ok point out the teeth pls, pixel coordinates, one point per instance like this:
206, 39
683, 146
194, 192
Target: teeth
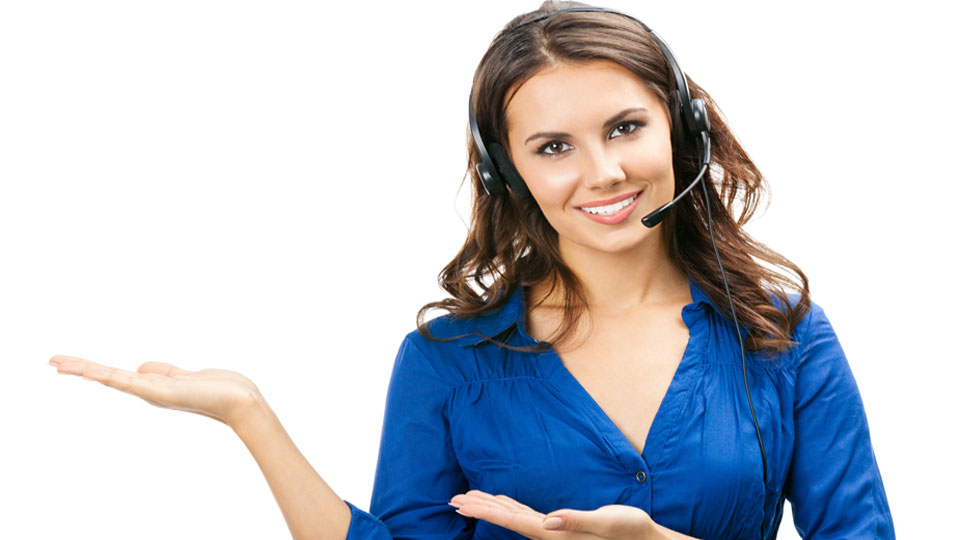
610, 209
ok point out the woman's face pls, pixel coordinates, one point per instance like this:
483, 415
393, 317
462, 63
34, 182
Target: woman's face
589, 138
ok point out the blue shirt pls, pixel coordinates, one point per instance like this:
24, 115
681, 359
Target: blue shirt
469, 414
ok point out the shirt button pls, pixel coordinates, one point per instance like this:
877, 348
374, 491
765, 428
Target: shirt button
641, 476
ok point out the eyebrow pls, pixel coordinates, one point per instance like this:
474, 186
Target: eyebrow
559, 134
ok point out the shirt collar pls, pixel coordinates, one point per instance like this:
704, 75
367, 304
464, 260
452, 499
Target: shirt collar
512, 313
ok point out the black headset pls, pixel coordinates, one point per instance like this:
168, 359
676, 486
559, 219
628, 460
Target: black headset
496, 172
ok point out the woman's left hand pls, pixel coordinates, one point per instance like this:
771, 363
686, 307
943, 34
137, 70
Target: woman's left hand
611, 522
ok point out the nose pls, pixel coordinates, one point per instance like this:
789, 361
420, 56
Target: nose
602, 169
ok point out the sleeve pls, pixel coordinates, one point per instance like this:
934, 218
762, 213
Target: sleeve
833, 483
417, 472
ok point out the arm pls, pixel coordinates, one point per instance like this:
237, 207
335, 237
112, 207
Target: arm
417, 472
310, 507
417, 469
834, 483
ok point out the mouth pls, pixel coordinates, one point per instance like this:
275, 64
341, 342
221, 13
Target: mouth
612, 213
611, 207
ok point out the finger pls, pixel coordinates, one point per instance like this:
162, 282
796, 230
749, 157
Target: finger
57, 359
477, 496
79, 366
147, 386
502, 499
525, 522
514, 504
74, 365
163, 368
506, 512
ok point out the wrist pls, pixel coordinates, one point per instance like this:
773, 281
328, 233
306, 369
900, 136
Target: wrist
251, 415
656, 531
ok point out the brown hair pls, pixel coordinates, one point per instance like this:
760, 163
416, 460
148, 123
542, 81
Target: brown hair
510, 243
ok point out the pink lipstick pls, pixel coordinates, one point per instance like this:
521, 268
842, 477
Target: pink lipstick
616, 217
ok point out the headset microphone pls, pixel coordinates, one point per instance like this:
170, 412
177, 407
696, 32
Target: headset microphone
655, 217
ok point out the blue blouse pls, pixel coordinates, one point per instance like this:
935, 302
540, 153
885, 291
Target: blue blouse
468, 414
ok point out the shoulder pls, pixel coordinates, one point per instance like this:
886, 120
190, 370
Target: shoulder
459, 331
818, 347
813, 321
805, 331
816, 362
808, 322
447, 353
455, 343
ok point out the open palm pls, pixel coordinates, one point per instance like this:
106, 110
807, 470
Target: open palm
610, 522
217, 393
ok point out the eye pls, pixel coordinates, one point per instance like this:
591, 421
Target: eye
626, 128
556, 148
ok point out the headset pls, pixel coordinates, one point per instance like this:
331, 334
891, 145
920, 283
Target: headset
497, 174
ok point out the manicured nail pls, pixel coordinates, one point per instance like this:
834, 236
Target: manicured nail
463, 513
552, 523
455, 505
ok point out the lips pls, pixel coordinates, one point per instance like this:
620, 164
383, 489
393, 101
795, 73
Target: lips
605, 202
620, 211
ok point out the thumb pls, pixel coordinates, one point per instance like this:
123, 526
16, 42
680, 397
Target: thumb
570, 520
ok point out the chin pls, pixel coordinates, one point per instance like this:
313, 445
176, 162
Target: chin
624, 244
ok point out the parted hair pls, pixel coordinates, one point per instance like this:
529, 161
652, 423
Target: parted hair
510, 244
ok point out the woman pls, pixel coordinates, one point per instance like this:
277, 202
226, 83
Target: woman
593, 366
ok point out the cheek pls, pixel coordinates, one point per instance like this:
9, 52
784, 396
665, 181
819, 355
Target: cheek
653, 162
552, 190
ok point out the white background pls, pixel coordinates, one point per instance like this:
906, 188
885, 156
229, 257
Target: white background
272, 187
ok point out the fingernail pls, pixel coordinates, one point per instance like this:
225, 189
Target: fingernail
455, 505
552, 523
463, 513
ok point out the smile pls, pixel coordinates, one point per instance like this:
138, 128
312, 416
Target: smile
613, 213
610, 209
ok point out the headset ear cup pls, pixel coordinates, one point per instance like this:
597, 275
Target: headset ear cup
490, 181
507, 171
698, 112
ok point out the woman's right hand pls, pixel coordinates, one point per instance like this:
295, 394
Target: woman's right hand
220, 394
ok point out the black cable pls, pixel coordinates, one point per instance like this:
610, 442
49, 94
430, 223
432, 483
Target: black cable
743, 356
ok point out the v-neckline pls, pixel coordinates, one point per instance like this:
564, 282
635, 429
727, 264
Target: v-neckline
671, 405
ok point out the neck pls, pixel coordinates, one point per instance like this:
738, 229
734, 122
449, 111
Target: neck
620, 283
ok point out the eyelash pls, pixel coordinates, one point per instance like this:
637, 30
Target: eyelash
635, 123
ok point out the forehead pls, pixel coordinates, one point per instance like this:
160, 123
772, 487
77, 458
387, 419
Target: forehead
578, 92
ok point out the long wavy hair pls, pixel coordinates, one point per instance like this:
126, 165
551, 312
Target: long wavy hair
510, 244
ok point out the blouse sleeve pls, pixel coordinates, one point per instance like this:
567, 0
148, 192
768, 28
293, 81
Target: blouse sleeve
833, 484
417, 472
